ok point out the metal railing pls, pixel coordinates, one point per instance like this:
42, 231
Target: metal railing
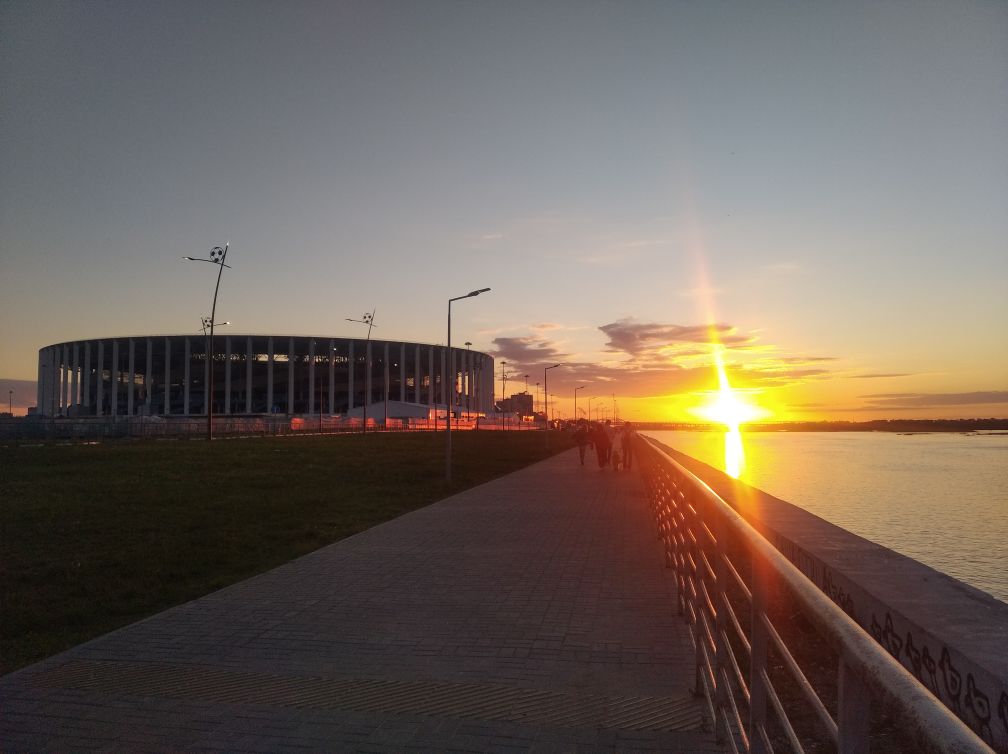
731, 583
96, 429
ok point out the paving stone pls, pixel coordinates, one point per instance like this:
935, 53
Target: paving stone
550, 579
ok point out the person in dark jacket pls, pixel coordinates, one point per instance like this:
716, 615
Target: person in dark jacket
581, 438
600, 439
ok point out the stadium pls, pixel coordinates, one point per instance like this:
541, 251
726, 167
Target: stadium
168, 376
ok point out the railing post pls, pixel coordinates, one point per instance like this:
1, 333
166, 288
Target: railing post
678, 540
720, 626
758, 659
853, 712
692, 614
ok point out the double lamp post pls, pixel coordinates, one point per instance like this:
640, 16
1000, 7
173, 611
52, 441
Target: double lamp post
217, 257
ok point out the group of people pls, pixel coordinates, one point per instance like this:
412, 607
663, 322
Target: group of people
613, 447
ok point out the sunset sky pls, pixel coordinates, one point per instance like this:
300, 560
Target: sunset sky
821, 185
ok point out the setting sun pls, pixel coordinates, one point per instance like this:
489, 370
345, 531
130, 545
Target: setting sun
728, 408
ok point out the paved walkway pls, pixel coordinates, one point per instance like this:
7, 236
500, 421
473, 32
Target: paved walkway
532, 613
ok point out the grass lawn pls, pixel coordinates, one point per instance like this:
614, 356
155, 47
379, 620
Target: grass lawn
93, 537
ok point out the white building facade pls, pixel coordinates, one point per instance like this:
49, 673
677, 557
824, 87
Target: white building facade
168, 375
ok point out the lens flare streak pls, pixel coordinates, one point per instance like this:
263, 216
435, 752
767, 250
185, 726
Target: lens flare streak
727, 408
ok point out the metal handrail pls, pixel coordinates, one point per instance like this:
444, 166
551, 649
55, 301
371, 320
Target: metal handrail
687, 510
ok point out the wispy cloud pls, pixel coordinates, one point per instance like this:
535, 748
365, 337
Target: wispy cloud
924, 400
878, 375
647, 359
806, 359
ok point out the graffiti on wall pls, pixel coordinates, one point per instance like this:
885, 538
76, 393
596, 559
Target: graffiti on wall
959, 688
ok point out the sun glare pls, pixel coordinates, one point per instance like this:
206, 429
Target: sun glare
727, 407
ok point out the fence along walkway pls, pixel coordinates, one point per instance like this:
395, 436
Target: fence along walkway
727, 573
530, 613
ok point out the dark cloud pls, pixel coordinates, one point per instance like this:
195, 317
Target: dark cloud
635, 338
526, 351
923, 400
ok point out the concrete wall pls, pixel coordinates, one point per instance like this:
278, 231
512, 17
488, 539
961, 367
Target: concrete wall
951, 636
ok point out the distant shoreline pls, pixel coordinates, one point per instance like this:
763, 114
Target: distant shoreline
904, 426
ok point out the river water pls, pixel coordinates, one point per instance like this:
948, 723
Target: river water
940, 498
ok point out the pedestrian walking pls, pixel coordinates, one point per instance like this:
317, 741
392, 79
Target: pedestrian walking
582, 439
610, 433
628, 439
600, 440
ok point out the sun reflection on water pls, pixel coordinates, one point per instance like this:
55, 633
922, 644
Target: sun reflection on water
727, 407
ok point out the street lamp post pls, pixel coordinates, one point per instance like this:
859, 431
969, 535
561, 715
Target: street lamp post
366, 319
217, 257
546, 394
208, 325
580, 387
448, 450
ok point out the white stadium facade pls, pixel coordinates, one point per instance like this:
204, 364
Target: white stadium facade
167, 376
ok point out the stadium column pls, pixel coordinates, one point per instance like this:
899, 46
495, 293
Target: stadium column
227, 374
74, 379
185, 380
206, 374
269, 375
248, 375
54, 383
351, 367
402, 372
417, 380
290, 377
114, 387
86, 377
444, 377
64, 373
148, 381
311, 378
100, 379
430, 379
332, 376
385, 392
130, 382
368, 384
167, 378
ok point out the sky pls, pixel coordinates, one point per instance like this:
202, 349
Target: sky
820, 188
